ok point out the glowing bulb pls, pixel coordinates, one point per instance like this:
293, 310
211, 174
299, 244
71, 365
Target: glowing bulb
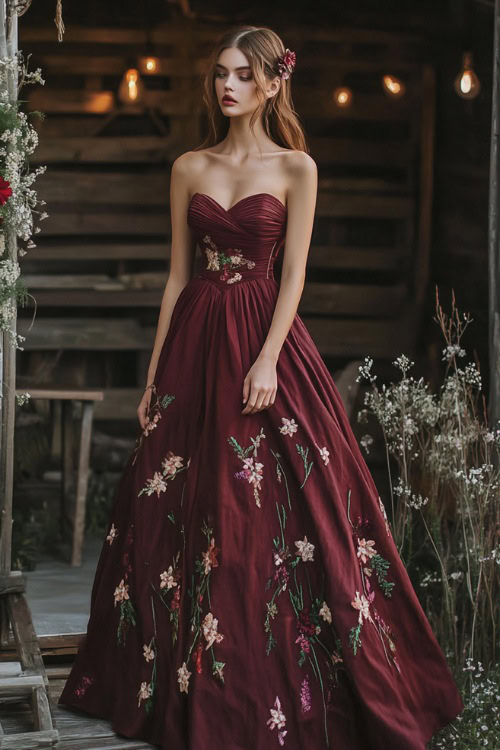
342, 96
131, 88
467, 83
393, 86
151, 64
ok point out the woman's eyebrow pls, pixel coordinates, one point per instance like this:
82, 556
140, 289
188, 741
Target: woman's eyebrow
240, 67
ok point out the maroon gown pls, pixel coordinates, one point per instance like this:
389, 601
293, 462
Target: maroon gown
249, 594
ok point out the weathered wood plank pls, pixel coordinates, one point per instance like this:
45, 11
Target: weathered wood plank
29, 740
85, 222
352, 299
49, 334
98, 251
124, 149
65, 394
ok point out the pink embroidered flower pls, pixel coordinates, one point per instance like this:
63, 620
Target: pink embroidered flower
209, 558
176, 599
277, 720
305, 695
145, 692
113, 533
171, 463
366, 549
363, 605
209, 626
167, 579
286, 63
121, 592
149, 654
304, 643
304, 623
305, 549
289, 426
283, 574
83, 685
156, 484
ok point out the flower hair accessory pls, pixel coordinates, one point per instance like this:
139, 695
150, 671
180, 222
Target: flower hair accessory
286, 63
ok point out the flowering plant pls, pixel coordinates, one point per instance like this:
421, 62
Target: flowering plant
445, 495
18, 199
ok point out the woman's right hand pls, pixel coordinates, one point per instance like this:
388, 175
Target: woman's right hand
143, 408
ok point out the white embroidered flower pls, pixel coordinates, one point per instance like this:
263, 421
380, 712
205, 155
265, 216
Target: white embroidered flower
383, 511
325, 612
167, 579
145, 691
253, 471
156, 484
277, 719
213, 260
121, 592
209, 626
305, 549
366, 549
324, 453
235, 277
209, 557
183, 678
277, 559
361, 603
149, 654
172, 462
289, 426
113, 533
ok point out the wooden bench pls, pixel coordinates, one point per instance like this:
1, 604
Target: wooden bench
61, 413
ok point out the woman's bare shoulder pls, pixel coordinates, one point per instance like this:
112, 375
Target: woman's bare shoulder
188, 164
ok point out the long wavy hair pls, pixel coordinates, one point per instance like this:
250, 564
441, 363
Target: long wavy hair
262, 47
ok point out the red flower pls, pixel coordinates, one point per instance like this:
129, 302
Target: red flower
5, 191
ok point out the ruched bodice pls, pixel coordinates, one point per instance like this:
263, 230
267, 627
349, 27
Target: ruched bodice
242, 242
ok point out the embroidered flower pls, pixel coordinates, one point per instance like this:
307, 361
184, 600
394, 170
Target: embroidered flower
305, 695
84, 683
305, 549
183, 678
362, 603
121, 592
209, 557
167, 578
171, 463
217, 260
277, 720
149, 654
156, 484
289, 426
383, 511
324, 453
366, 549
286, 63
145, 692
209, 626
113, 533
325, 612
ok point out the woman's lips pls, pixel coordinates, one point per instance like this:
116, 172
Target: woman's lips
228, 100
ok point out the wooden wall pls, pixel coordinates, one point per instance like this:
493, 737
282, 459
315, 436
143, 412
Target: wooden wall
102, 258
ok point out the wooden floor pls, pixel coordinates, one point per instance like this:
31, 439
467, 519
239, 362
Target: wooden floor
77, 731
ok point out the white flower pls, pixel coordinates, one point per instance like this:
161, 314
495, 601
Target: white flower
361, 603
171, 463
156, 484
149, 654
325, 612
167, 579
366, 549
278, 718
145, 691
113, 533
183, 678
209, 626
289, 426
305, 549
121, 592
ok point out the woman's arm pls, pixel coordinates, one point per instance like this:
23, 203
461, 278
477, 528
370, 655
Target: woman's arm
182, 255
260, 384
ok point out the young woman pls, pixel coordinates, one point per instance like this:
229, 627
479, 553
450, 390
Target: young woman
249, 593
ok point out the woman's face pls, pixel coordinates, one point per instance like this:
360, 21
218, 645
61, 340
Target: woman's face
234, 81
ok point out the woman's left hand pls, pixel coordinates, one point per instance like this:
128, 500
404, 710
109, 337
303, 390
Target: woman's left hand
260, 385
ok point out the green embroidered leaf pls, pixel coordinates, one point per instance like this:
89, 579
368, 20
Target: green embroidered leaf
355, 638
171, 517
271, 643
381, 566
166, 400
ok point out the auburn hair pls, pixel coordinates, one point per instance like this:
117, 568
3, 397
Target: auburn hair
262, 47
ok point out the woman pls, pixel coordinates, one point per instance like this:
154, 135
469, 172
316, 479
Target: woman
249, 592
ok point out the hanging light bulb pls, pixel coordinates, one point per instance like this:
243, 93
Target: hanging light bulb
467, 83
149, 64
342, 96
131, 89
393, 86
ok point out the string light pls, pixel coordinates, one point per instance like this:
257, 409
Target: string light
342, 96
393, 86
467, 83
131, 89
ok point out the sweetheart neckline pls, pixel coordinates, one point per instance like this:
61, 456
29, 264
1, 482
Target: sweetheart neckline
247, 197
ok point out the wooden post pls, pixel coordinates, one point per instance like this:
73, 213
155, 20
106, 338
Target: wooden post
8, 48
494, 236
